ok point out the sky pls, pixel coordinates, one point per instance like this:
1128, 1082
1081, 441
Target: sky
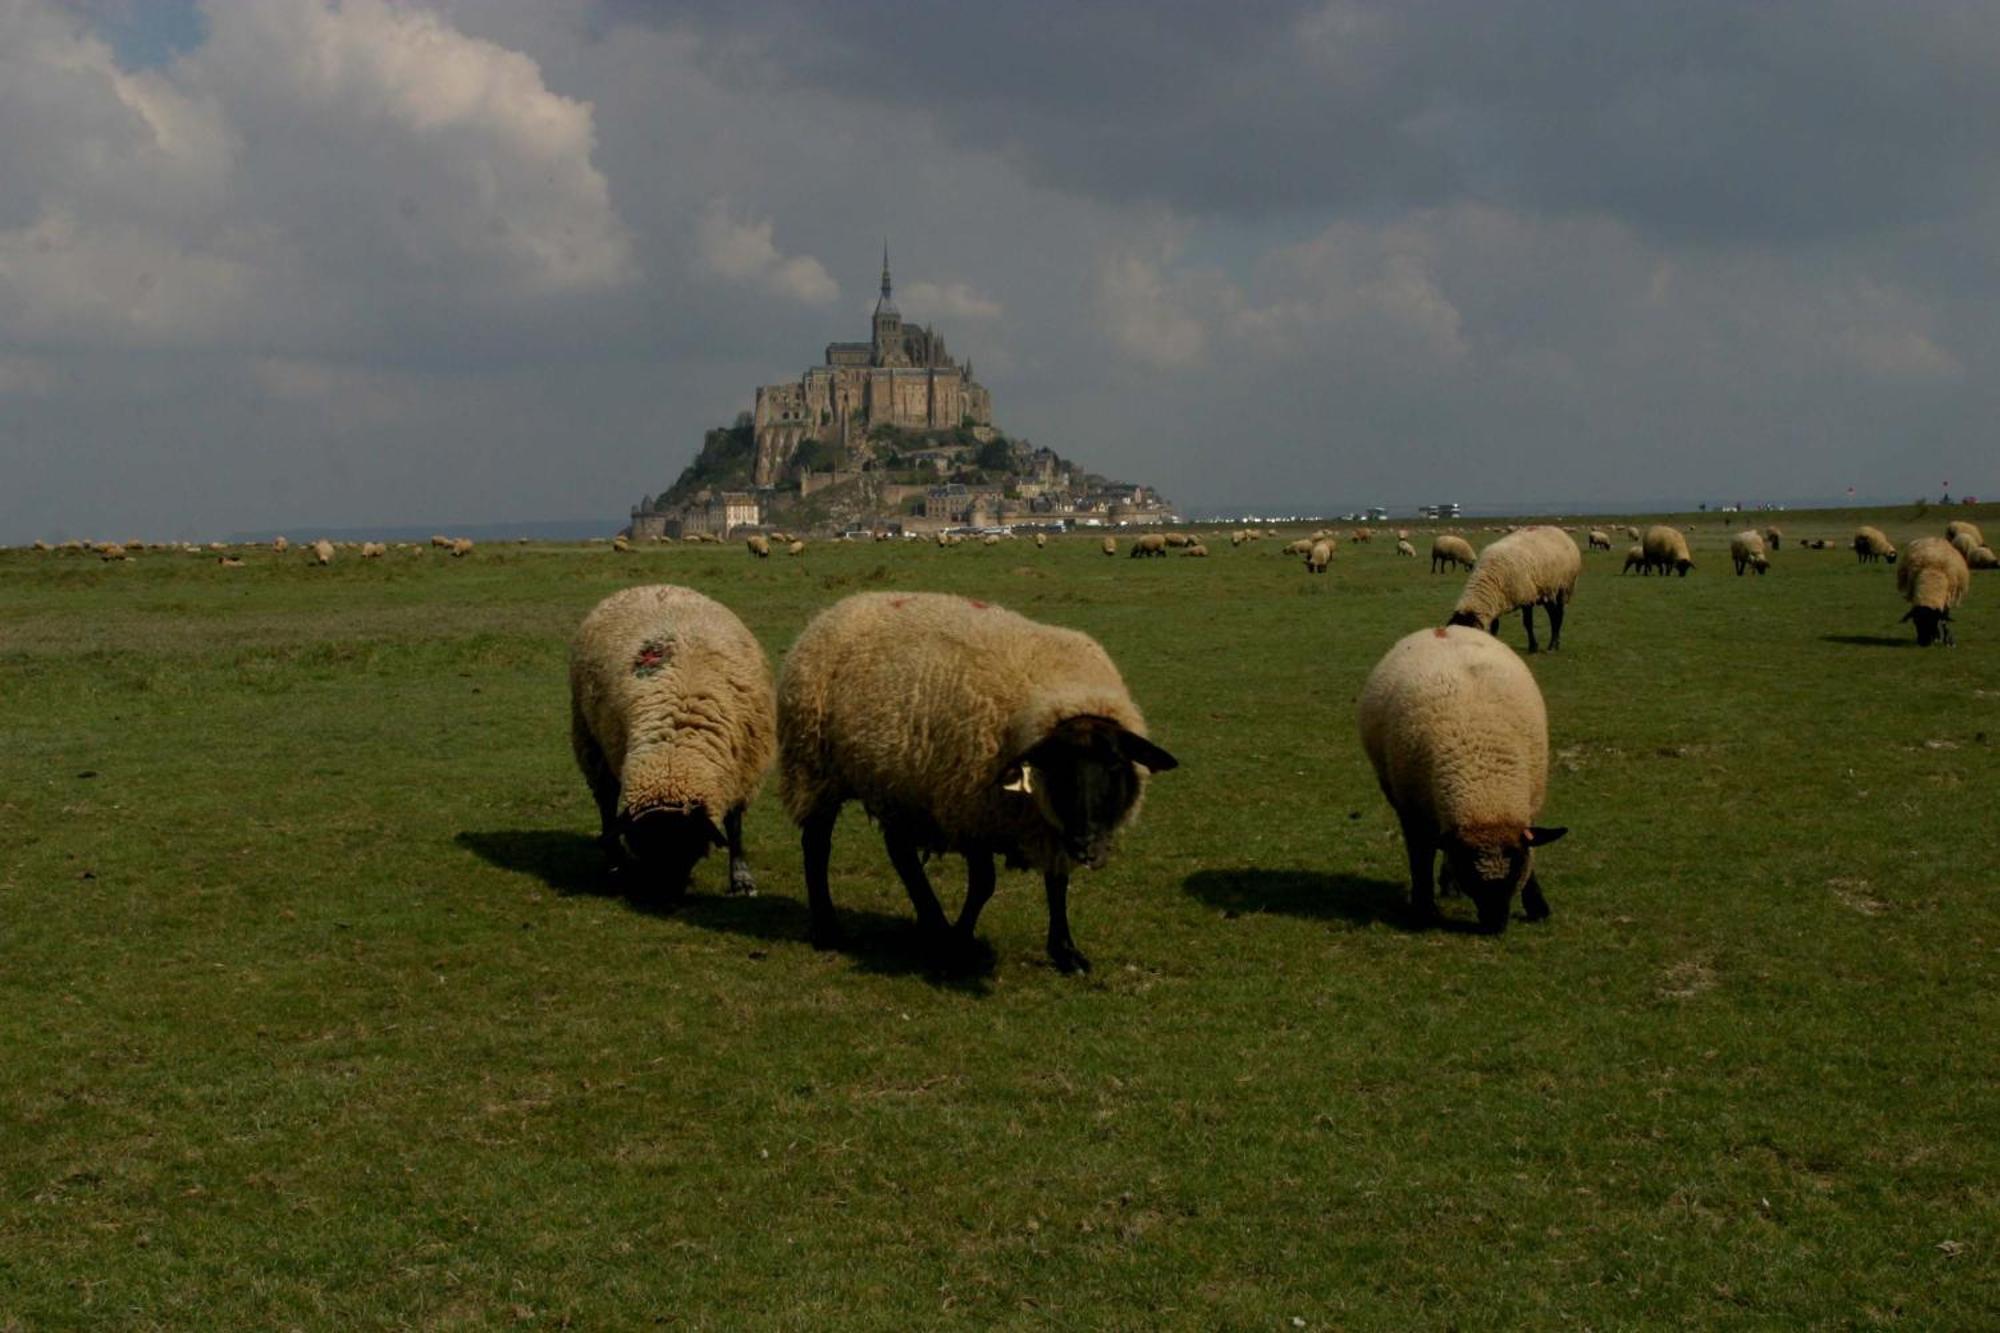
278, 264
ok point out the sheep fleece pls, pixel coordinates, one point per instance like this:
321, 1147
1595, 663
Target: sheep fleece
664, 675
1524, 568
915, 703
1933, 574
1455, 726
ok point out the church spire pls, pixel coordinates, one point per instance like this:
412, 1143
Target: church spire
885, 268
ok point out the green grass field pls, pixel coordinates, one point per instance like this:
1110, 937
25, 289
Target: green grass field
313, 1010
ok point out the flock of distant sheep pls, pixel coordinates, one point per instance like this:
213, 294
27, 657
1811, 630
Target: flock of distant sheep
963, 727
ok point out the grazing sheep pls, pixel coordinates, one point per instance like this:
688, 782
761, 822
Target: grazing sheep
992, 539
1109, 546
674, 723
1632, 533
758, 545
229, 562
112, 551
280, 545
1982, 557
797, 547
1041, 540
1964, 527
1404, 549
1449, 549
1195, 549
1238, 537
1774, 537
1667, 549
1746, 548
1526, 569
1871, 545
441, 542
41, 545
373, 550
461, 547
1600, 540
1152, 544
1319, 557
960, 727
1177, 539
1303, 546
322, 552
1933, 578
1966, 544
1455, 727
620, 544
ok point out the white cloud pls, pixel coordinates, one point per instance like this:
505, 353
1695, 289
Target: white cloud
1150, 313
744, 252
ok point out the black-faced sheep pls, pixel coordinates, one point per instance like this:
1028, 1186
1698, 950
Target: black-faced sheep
758, 545
1933, 578
1523, 570
1455, 727
1109, 546
1667, 549
1404, 549
1635, 558
1600, 540
1982, 557
1746, 549
674, 724
1449, 549
960, 727
1319, 556
1152, 544
1774, 537
1870, 545
1963, 527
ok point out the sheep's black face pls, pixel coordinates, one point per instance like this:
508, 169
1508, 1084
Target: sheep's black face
1084, 780
1471, 619
1929, 623
1490, 870
668, 844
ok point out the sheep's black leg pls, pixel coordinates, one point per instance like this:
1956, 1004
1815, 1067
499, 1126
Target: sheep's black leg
816, 834
1556, 610
1062, 949
1533, 905
740, 879
1423, 869
909, 865
979, 880
1527, 623
603, 784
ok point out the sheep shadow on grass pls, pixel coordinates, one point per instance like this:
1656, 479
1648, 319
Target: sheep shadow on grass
572, 865
1870, 640
1313, 894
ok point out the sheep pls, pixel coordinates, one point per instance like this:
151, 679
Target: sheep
112, 551
1966, 544
620, 544
1967, 527
797, 547
1109, 546
1600, 540
1632, 533
1404, 549
1525, 569
960, 727
280, 545
1449, 549
1318, 558
1871, 545
1667, 549
1177, 539
1303, 546
1238, 537
1774, 537
322, 552
673, 721
1152, 544
1041, 540
1746, 548
1455, 727
758, 545
1198, 550
229, 562
991, 539
1982, 557
41, 545
443, 543
1933, 578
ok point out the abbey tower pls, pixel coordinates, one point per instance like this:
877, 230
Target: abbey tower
902, 377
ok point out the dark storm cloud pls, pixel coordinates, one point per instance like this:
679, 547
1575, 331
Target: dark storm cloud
1713, 119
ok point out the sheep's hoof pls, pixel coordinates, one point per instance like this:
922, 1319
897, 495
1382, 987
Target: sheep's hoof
1068, 959
743, 884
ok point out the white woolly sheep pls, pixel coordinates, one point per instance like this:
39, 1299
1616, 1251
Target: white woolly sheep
1176, 539
1632, 533
112, 551
991, 539
322, 552
1523, 570
1152, 544
1667, 549
960, 727
1041, 540
1449, 549
1982, 557
1600, 540
673, 721
1109, 546
461, 547
1870, 545
1455, 727
280, 545
1199, 550
797, 547
1965, 527
758, 545
1933, 578
1966, 544
1303, 546
1319, 557
1404, 549
621, 544
1746, 549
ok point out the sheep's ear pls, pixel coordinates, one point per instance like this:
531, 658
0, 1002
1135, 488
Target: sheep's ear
1542, 837
1136, 749
1019, 779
